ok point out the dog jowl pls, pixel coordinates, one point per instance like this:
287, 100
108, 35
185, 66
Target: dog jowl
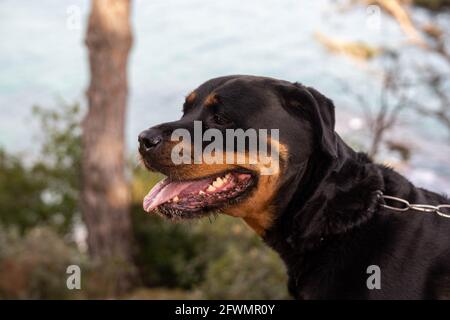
219, 156
234, 147
265, 150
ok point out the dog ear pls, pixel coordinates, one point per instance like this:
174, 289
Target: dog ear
321, 110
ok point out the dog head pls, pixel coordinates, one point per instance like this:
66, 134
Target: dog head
206, 172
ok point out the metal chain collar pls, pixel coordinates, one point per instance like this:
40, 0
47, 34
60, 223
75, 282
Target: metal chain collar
405, 206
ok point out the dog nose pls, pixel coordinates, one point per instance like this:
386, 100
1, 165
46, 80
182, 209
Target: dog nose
149, 139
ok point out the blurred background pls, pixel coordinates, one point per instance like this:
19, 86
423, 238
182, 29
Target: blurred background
78, 75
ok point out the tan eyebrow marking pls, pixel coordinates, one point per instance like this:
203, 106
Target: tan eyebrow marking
211, 99
191, 97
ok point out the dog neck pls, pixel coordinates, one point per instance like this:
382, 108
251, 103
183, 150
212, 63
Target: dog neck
332, 197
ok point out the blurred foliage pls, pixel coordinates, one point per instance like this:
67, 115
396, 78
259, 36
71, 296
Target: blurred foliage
21, 201
45, 192
245, 268
167, 253
161, 294
254, 272
60, 163
33, 266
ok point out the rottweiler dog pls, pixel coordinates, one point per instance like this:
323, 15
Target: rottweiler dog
323, 210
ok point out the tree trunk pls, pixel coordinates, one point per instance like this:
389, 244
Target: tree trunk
105, 192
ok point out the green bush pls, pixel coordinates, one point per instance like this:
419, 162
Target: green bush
34, 266
45, 192
21, 195
166, 251
246, 267
253, 274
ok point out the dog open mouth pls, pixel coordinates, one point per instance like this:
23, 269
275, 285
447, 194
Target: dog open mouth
192, 198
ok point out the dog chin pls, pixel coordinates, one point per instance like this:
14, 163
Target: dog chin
187, 199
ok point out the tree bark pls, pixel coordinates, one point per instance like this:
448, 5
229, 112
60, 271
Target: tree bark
105, 191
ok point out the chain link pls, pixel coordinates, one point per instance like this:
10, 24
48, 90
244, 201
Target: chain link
405, 206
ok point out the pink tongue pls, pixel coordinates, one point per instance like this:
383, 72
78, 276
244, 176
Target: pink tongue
164, 191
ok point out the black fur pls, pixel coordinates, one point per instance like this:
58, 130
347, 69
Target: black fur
332, 228
329, 225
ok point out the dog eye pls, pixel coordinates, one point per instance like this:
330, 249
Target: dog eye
221, 119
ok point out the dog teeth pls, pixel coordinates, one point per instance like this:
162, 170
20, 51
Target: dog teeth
218, 182
175, 199
201, 192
